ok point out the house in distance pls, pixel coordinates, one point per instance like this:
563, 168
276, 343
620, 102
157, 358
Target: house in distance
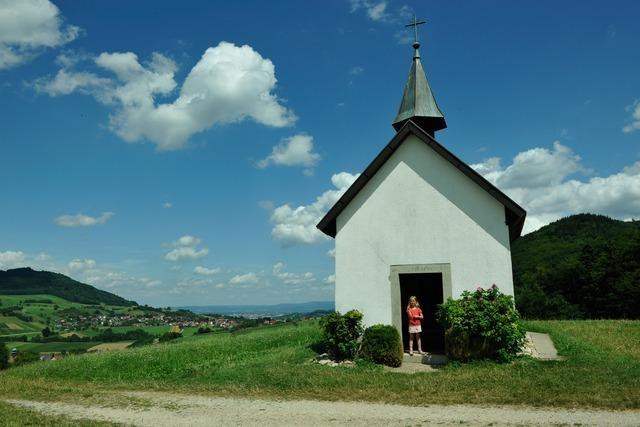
419, 221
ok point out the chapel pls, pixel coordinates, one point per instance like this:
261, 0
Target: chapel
419, 221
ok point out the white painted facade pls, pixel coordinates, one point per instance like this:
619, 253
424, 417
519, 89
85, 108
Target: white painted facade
418, 209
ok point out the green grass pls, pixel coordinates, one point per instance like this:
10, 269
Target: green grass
154, 330
18, 417
51, 347
602, 370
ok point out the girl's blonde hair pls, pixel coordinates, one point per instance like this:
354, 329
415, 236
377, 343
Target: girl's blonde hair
413, 298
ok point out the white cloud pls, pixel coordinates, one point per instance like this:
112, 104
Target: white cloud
634, 124
204, 271
28, 26
227, 85
185, 248
330, 280
376, 10
331, 253
12, 259
354, 71
66, 82
167, 205
241, 279
81, 220
81, 264
298, 225
291, 278
540, 180
186, 240
293, 151
179, 254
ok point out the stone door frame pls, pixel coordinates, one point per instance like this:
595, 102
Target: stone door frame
394, 279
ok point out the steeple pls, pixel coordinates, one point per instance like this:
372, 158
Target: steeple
418, 103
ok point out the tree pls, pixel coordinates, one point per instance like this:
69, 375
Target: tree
46, 332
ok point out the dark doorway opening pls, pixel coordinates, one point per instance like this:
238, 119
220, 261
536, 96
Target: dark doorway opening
427, 287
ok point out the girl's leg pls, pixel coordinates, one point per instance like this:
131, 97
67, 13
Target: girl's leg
411, 343
419, 343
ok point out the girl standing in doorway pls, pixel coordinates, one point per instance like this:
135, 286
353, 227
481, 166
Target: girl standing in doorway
415, 323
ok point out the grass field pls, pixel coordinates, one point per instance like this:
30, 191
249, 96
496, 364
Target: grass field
153, 330
602, 370
111, 346
51, 347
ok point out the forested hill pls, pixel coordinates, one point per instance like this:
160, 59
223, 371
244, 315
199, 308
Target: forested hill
582, 266
25, 281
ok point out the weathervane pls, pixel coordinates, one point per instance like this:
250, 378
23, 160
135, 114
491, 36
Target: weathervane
414, 24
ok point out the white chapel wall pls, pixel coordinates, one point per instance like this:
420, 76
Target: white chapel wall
418, 209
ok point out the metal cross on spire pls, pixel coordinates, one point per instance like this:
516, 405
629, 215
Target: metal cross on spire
414, 24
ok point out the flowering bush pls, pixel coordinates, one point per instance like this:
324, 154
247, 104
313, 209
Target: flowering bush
481, 324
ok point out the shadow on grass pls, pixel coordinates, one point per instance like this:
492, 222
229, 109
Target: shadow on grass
318, 347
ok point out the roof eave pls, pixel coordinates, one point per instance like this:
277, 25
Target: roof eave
514, 214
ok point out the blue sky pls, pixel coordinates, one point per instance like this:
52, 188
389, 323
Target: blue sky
181, 153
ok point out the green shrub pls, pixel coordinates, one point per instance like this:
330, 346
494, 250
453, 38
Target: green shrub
340, 334
24, 357
4, 356
382, 344
481, 324
169, 336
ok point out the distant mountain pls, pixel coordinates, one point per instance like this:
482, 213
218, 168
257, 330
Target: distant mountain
25, 281
582, 266
263, 310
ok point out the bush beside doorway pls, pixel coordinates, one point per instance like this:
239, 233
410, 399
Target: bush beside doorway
480, 325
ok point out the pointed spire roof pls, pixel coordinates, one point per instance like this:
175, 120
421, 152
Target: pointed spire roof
418, 103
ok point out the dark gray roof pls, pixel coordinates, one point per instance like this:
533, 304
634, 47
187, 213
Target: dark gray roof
418, 103
514, 214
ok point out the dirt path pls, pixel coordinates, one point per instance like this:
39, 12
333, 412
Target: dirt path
184, 410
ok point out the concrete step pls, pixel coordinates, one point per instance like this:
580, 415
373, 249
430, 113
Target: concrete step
425, 359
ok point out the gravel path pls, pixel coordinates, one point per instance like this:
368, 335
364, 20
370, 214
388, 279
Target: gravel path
185, 410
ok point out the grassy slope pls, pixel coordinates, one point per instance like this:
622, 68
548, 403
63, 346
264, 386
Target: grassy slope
602, 370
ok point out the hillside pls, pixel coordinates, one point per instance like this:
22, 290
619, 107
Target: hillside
602, 370
582, 266
25, 281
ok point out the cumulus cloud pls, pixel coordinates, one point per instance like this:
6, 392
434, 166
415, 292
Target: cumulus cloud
186, 248
330, 279
293, 151
291, 278
81, 220
228, 84
295, 225
12, 259
81, 264
29, 26
204, 271
331, 253
376, 10
241, 279
167, 205
543, 182
634, 123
